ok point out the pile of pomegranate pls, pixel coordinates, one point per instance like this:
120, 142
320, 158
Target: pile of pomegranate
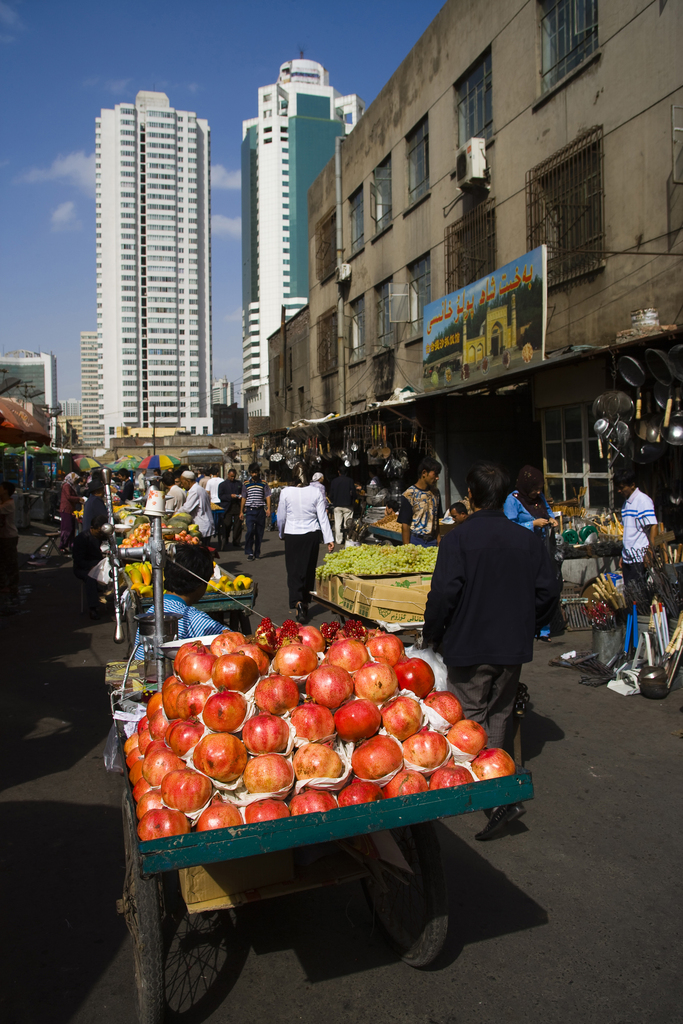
296, 720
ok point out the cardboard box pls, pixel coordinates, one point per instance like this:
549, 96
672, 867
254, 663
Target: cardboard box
322, 589
215, 882
394, 600
345, 591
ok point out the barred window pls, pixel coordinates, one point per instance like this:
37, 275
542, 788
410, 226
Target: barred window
420, 290
358, 329
357, 228
326, 245
385, 327
564, 196
380, 195
327, 341
475, 113
418, 161
470, 246
569, 34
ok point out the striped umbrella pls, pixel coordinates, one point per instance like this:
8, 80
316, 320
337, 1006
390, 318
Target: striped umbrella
159, 462
129, 462
87, 463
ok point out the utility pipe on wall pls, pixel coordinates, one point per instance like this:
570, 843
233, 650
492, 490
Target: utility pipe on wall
341, 355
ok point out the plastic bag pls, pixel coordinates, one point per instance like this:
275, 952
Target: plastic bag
101, 572
112, 753
436, 663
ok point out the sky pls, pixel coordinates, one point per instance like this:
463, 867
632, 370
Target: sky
61, 61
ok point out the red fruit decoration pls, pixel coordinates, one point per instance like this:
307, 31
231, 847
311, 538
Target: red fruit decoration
493, 763
416, 675
169, 681
355, 630
158, 824
376, 757
158, 724
265, 810
357, 720
329, 685
426, 748
386, 647
219, 814
405, 783
375, 681
158, 763
317, 761
312, 637
191, 701
359, 792
182, 736
287, 633
276, 694
445, 704
221, 756
265, 734
268, 773
185, 790
295, 660
402, 717
258, 654
227, 643
170, 695
235, 672
224, 711
450, 775
141, 787
329, 631
348, 654
154, 703
196, 666
468, 736
310, 801
191, 647
312, 722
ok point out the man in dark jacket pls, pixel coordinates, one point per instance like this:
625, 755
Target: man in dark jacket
342, 496
493, 586
229, 498
94, 505
87, 554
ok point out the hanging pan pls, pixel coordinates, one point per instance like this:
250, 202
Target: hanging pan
647, 451
674, 432
633, 372
660, 368
676, 361
648, 428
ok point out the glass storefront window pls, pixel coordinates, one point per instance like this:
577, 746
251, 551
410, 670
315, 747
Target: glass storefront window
572, 458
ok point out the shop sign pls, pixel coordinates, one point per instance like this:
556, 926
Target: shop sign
488, 328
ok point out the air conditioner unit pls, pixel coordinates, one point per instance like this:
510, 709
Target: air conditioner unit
470, 164
344, 272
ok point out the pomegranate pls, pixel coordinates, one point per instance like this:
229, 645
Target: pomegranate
312, 722
493, 763
295, 660
386, 647
348, 654
445, 704
158, 724
141, 787
154, 703
276, 694
375, 681
170, 698
426, 748
310, 801
265, 810
227, 643
224, 711
155, 745
135, 774
402, 717
268, 773
359, 792
158, 824
329, 685
135, 755
376, 757
130, 743
191, 647
221, 756
151, 800
416, 675
181, 736
357, 720
265, 734
185, 790
405, 783
258, 655
196, 667
450, 775
158, 763
143, 724
235, 672
312, 637
317, 761
144, 740
191, 701
468, 736
219, 814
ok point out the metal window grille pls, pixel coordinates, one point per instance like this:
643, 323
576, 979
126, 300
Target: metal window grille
569, 34
420, 290
418, 161
380, 195
470, 246
326, 245
385, 328
357, 230
357, 325
564, 196
327, 341
475, 112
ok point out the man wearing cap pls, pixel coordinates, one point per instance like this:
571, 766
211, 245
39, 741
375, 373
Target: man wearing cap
94, 505
197, 503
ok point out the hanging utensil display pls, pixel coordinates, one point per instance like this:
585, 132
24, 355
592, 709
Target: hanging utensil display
633, 372
649, 427
673, 434
659, 366
648, 451
676, 361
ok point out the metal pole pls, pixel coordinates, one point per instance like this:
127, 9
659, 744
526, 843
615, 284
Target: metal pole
113, 555
157, 552
341, 363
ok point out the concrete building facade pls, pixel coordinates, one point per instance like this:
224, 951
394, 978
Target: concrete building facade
92, 390
37, 374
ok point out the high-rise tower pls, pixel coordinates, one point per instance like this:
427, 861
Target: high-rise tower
153, 215
284, 149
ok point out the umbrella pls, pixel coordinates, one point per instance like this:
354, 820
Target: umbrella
18, 425
129, 462
87, 463
159, 462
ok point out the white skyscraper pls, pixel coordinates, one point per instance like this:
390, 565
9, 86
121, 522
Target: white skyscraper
153, 207
284, 149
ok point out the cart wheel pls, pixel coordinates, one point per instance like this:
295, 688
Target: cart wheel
413, 917
141, 906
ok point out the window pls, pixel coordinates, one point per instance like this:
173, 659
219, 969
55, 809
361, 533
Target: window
357, 329
475, 115
380, 195
385, 328
569, 34
357, 235
571, 456
326, 245
565, 208
418, 161
470, 246
420, 291
327, 341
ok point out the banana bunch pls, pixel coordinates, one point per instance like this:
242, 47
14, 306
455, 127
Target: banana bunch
140, 576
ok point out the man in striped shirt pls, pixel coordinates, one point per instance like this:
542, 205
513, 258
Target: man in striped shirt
254, 508
640, 525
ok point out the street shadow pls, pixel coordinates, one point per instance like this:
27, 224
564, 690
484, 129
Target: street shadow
537, 730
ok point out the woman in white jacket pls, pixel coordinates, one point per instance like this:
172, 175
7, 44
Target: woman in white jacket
302, 523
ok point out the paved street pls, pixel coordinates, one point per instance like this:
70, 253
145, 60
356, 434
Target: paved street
573, 916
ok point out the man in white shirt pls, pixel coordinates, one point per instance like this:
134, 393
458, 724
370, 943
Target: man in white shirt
174, 496
640, 526
197, 503
211, 484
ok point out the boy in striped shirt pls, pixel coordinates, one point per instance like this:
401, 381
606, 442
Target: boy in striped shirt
254, 508
640, 525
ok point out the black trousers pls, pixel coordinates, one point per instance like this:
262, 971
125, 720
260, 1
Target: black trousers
301, 557
232, 522
91, 591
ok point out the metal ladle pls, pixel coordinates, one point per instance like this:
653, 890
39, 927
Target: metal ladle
674, 432
602, 428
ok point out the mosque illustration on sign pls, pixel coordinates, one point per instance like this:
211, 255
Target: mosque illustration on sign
498, 339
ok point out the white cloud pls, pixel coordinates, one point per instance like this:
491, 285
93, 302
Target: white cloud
9, 19
64, 218
117, 85
75, 168
235, 315
222, 178
194, 87
226, 227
